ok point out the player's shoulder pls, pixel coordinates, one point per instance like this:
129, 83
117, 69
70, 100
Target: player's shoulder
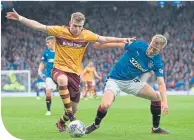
46, 50
59, 27
139, 43
86, 68
158, 59
64, 27
86, 32
93, 67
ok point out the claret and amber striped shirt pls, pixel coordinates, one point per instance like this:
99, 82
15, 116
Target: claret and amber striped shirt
69, 50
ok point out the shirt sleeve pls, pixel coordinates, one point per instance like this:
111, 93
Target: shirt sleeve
91, 37
138, 44
131, 46
55, 30
159, 68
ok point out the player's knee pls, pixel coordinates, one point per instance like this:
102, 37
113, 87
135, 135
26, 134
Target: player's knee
156, 97
62, 80
107, 99
48, 92
105, 106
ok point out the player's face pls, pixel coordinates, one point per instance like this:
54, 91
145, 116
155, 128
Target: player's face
76, 27
90, 64
154, 48
49, 43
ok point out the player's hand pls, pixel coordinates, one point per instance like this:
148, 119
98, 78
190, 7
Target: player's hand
164, 108
13, 15
100, 78
40, 73
128, 40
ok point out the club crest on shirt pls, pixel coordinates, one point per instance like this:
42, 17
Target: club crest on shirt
150, 64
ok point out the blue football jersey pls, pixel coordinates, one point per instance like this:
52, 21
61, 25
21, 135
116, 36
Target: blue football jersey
134, 62
48, 57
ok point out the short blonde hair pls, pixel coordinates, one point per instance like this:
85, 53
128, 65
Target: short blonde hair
160, 39
50, 37
78, 16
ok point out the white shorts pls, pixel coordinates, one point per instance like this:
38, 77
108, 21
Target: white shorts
41, 85
50, 84
129, 86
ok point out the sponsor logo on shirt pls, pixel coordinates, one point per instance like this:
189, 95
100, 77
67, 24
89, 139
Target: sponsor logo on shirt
70, 43
136, 64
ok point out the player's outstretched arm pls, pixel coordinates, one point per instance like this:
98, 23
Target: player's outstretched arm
28, 22
121, 44
104, 39
108, 45
162, 89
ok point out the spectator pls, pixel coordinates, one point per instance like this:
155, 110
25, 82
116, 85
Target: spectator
22, 46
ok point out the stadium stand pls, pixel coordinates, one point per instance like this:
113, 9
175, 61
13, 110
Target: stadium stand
21, 46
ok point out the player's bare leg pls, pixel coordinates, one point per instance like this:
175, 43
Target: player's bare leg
148, 93
107, 100
48, 101
93, 92
84, 93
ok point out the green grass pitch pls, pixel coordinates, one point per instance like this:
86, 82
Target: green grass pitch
128, 119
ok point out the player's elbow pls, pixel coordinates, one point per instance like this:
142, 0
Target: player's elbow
103, 39
96, 46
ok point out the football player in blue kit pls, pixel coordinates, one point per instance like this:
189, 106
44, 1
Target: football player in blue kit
139, 58
47, 63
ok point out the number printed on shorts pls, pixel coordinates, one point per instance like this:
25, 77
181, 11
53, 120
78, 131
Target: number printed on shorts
105, 84
136, 80
106, 81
